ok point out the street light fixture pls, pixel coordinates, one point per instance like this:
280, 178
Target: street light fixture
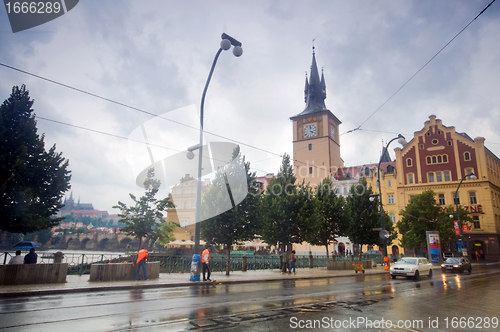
471, 176
225, 45
383, 233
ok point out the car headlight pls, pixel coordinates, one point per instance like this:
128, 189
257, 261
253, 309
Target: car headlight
455, 265
442, 265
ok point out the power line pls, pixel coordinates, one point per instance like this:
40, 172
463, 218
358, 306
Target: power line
418, 71
135, 108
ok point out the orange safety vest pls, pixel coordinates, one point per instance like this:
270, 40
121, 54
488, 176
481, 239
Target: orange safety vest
141, 254
205, 256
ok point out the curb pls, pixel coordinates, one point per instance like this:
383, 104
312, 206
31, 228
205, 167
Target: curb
167, 285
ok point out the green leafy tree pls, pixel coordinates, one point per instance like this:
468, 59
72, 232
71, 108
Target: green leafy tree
165, 233
424, 214
332, 218
32, 180
241, 222
142, 220
288, 210
364, 216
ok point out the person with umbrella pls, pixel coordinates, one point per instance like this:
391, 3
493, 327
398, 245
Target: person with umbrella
31, 258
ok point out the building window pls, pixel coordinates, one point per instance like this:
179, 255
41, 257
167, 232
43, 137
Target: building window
477, 224
456, 198
408, 162
390, 199
393, 218
421, 146
410, 178
430, 177
473, 198
310, 170
429, 161
467, 156
439, 177
445, 158
440, 159
441, 199
345, 191
310, 146
469, 172
184, 223
434, 160
447, 176
449, 143
389, 183
435, 141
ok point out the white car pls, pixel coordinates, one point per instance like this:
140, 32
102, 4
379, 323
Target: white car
411, 267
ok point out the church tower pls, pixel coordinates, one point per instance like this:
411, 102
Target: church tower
316, 140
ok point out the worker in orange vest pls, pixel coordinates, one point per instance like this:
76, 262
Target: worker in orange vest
205, 257
142, 257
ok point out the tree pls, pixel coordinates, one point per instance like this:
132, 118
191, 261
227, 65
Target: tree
288, 210
241, 222
165, 235
364, 215
333, 220
424, 214
32, 180
143, 219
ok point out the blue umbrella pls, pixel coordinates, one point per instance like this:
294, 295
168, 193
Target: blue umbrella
26, 245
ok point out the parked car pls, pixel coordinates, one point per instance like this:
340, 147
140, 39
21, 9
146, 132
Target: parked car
411, 267
456, 264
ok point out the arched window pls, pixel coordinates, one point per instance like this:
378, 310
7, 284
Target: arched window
408, 162
429, 160
433, 159
440, 159
467, 156
445, 158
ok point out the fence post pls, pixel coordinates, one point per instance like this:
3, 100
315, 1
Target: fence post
81, 266
311, 261
244, 263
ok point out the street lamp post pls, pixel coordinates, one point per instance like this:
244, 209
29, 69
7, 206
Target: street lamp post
225, 45
471, 176
383, 233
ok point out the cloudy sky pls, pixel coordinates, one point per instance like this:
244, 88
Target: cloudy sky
156, 55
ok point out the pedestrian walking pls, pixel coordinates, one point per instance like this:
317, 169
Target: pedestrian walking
31, 257
293, 259
205, 261
142, 258
17, 259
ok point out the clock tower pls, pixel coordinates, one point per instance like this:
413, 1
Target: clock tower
316, 140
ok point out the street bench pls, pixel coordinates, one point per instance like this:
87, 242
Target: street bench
122, 271
22, 274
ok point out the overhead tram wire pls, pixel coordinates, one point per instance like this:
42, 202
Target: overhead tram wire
135, 108
418, 71
124, 138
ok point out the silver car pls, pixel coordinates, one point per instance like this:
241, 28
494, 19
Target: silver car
411, 267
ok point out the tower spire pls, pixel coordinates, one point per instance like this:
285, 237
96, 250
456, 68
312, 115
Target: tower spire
315, 89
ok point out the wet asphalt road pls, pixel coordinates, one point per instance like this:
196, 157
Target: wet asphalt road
444, 303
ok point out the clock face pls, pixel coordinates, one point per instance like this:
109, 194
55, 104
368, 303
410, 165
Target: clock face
310, 130
332, 133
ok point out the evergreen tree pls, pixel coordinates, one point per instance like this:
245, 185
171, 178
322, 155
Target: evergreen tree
143, 219
332, 218
239, 223
32, 180
289, 210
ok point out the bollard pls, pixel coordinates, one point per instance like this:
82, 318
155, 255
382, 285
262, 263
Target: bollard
244, 264
311, 261
58, 256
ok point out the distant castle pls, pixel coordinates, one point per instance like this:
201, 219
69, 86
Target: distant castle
80, 209
69, 204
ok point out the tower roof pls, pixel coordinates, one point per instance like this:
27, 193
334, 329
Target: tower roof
315, 92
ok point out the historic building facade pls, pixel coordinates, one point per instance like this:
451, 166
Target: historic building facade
438, 158
316, 140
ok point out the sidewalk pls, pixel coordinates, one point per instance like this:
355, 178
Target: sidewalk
80, 284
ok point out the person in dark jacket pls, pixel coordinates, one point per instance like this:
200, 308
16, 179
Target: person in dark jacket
31, 257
